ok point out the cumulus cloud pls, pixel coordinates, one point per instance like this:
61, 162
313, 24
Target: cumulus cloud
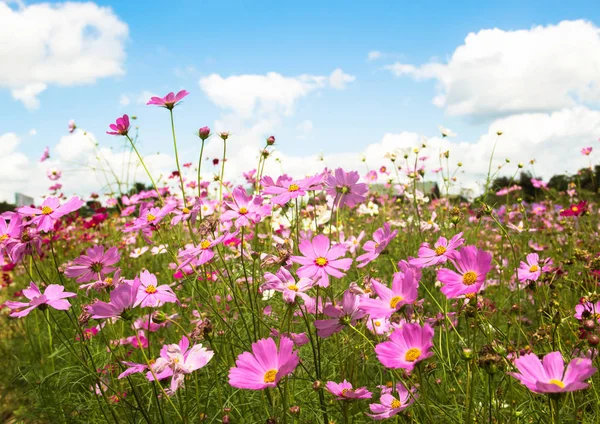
499, 73
250, 95
62, 44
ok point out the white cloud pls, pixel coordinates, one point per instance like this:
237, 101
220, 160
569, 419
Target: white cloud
251, 95
143, 97
33, 131
497, 72
124, 100
304, 128
62, 44
374, 55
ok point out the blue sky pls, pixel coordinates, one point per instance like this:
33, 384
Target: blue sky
172, 45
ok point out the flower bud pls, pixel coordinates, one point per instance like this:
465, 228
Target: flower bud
204, 133
593, 340
295, 410
589, 324
159, 317
316, 385
224, 135
271, 140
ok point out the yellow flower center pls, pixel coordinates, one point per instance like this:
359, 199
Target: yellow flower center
185, 210
412, 354
243, 211
377, 324
344, 391
396, 404
597, 315
534, 268
205, 244
108, 280
394, 301
150, 217
470, 295
293, 187
469, 278
430, 222
321, 261
47, 210
3, 237
557, 383
150, 289
270, 376
293, 287
175, 360
440, 250
574, 208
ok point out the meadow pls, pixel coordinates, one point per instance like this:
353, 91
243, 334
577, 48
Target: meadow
327, 298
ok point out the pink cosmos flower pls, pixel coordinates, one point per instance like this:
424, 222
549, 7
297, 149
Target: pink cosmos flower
345, 188
265, 366
50, 211
96, 264
132, 368
404, 291
177, 360
406, 346
151, 294
200, 254
344, 391
533, 268
72, 126
588, 310
539, 184
473, 265
390, 405
121, 127
550, 376
53, 174
586, 151
286, 189
245, 209
54, 296
169, 101
442, 250
45, 154
349, 313
149, 218
381, 238
320, 260
122, 299
284, 282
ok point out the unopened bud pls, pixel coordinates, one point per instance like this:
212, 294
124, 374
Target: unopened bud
271, 140
204, 133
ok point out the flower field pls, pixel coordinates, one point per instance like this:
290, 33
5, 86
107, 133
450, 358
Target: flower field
325, 298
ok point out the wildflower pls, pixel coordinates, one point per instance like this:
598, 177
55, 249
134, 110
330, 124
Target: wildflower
53, 174
381, 238
406, 346
430, 224
121, 127
122, 299
473, 265
286, 189
72, 126
200, 254
177, 360
587, 310
344, 391
532, 269
54, 296
575, 210
390, 406
151, 294
265, 366
245, 209
132, 368
204, 133
349, 313
138, 251
50, 211
283, 282
169, 101
404, 291
442, 250
345, 188
550, 376
586, 151
95, 264
320, 260
45, 154
539, 184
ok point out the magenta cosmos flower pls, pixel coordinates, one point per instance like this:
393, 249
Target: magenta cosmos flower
265, 366
120, 127
50, 212
122, 299
441, 251
390, 405
200, 254
406, 346
532, 269
320, 260
550, 376
245, 209
588, 310
473, 265
345, 188
286, 189
45, 154
284, 282
345, 391
54, 296
404, 291
381, 238
169, 101
177, 360
151, 294
96, 264
349, 313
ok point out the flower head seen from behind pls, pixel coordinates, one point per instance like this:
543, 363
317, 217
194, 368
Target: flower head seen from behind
122, 299
348, 313
406, 346
472, 265
381, 238
54, 296
95, 264
120, 127
549, 375
169, 101
345, 391
265, 366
